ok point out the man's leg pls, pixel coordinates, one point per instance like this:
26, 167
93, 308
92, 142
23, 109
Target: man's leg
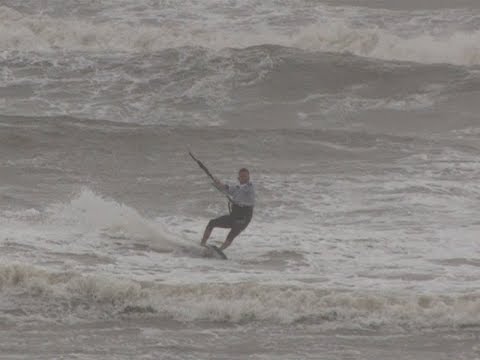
231, 235
238, 225
206, 234
222, 222
237, 228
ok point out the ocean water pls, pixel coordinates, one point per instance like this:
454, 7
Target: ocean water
358, 119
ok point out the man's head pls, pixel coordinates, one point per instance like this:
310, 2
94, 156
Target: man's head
243, 176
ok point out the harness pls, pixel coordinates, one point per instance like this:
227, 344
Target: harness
238, 211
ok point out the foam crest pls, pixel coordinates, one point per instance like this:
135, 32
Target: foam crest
103, 290
459, 48
106, 296
91, 212
24, 215
18, 275
67, 295
44, 33
331, 308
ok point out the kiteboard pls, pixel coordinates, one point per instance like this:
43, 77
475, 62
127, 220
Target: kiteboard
217, 252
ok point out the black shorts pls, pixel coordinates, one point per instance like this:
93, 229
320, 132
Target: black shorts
237, 224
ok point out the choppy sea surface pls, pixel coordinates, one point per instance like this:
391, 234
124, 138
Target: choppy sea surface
358, 119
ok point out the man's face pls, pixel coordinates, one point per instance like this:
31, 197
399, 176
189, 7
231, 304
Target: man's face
243, 177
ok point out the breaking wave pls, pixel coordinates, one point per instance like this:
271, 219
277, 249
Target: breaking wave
70, 295
45, 33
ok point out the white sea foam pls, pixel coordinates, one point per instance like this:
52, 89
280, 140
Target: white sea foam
335, 34
90, 212
458, 48
110, 297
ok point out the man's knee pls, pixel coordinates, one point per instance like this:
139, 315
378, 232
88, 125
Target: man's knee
211, 224
232, 235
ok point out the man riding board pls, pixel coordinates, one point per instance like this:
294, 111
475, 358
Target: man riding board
242, 198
